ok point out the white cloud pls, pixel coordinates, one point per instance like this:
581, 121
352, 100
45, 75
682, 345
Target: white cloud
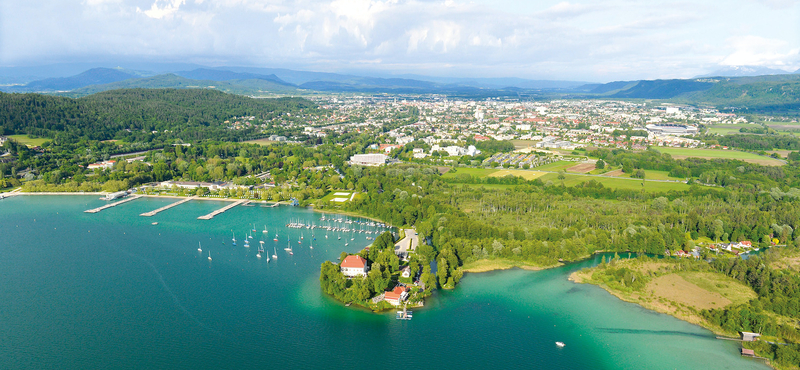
168, 8
759, 51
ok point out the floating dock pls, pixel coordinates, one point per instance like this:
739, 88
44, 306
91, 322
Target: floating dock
223, 209
164, 208
133, 197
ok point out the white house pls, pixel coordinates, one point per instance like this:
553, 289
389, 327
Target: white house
354, 265
368, 159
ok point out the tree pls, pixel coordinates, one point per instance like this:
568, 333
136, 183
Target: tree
600, 164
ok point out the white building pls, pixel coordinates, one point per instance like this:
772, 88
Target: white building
368, 159
354, 265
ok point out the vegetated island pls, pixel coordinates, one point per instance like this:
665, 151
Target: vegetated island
728, 296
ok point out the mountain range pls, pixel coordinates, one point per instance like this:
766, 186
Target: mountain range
744, 91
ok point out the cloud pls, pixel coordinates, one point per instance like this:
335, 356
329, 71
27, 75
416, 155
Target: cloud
167, 9
569, 39
759, 51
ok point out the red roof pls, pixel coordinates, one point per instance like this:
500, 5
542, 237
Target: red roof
354, 261
395, 294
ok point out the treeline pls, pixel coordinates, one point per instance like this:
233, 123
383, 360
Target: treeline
133, 115
760, 142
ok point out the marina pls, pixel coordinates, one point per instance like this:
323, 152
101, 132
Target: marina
98, 209
153, 213
223, 209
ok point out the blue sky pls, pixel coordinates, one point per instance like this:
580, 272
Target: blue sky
568, 40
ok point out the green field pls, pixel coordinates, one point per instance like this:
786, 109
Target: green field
680, 153
617, 182
555, 166
728, 129
331, 195
477, 172
24, 139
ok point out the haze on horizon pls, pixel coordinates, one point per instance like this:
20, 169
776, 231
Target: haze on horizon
555, 40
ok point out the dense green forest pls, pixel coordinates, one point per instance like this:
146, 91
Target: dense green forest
144, 115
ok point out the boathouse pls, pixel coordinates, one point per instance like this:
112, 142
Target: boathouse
750, 337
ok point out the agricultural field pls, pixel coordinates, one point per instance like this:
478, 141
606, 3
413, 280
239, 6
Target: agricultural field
527, 175
555, 166
520, 144
24, 139
728, 129
581, 168
681, 153
617, 182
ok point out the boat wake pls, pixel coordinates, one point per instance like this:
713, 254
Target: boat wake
168, 290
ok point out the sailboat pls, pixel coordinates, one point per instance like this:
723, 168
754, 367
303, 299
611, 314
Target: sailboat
312, 245
209, 255
288, 245
265, 229
250, 236
199, 248
260, 249
246, 243
234, 238
254, 228
276, 237
275, 253
301, 236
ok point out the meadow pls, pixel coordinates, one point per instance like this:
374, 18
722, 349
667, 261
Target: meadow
681, 153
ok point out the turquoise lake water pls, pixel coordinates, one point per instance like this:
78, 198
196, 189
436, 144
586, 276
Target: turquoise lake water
110, 290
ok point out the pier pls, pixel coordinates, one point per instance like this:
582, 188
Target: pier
164, 208
134, 197
223, 209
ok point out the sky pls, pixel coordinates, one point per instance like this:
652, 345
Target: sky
596, 41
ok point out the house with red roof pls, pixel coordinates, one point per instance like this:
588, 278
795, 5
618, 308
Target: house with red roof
354, 265
396, 295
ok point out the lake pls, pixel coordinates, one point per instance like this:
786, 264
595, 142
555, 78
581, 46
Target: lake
111, 290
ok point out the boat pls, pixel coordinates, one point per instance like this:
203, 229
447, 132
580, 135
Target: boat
560, 344
260, 248
209, 255
246, 243
265, 229
154, 223
254, 228
301, 236
199, 248
249, 236
276, 237
275, 253
233, 239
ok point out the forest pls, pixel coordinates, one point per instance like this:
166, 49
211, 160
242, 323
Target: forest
142, 115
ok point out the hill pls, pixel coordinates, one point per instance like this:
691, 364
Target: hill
172, 81
140, 115
662, 89
94, 76
223, 75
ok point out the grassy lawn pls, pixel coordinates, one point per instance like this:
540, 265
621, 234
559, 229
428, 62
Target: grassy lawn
476, 172
24, 139
617, 182
331, 195
485, 265
728, 129
556, 166
680, 153
730, 288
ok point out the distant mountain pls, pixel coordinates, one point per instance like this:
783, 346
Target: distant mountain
241, 87
500, 82
613, 86
662, 89
742, 71
224, 75
94, 76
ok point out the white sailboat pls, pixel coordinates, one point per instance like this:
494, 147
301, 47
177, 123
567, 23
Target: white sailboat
209, 255
233, 239
265, 229
199, 248
246, 243
274, 253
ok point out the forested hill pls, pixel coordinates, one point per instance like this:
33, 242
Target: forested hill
133, 114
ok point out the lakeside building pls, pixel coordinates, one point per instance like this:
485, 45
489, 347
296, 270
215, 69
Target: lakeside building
354, 265
193, 184
374, 160
396, 296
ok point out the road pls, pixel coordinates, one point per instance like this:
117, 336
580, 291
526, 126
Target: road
410, 242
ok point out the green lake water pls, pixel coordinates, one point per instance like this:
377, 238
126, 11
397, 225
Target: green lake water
110, 290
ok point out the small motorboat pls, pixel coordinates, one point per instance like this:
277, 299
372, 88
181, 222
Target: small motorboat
560, 344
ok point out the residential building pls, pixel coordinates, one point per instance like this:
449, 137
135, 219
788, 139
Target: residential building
368, 159
396, 296
354, 265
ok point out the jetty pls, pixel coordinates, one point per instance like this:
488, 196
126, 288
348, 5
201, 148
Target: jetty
223, 209
164, 208
95, 210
